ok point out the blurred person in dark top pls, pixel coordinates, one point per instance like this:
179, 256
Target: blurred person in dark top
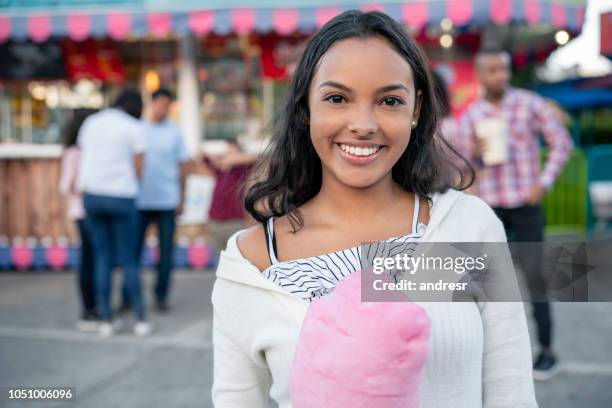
76, 213
161, 187
500, 135
112, 146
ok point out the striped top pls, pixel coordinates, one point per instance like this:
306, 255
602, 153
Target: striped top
317, 276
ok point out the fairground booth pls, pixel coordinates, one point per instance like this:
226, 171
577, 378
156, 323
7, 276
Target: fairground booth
228, 62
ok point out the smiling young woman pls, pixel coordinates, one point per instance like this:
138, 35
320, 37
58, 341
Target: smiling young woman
355, 158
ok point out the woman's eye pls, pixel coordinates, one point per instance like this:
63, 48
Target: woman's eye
335, 99
392, 101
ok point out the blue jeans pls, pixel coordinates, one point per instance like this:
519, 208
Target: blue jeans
165, 226
113, 223
165, 220
86, 271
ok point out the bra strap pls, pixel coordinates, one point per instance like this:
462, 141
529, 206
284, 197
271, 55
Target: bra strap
270, 240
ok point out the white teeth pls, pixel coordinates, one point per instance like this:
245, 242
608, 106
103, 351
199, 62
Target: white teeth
359, 151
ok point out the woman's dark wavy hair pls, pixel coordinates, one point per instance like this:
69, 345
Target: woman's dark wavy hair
290, 172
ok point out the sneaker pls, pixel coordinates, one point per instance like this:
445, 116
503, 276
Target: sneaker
545, 366
162, 306
88, 323
109, 328
125, 308
143, 328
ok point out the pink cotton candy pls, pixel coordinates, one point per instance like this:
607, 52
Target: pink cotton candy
354, 354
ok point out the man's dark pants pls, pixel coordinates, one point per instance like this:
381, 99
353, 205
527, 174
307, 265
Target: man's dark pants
165, 220
526, 224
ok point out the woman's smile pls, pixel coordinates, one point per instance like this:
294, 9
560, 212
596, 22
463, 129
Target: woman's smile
359, 153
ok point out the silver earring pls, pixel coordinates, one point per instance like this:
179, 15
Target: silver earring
414, 123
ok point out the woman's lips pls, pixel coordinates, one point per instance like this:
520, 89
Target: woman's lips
359, 155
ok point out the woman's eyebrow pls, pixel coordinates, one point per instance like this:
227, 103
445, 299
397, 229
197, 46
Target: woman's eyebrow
386, 88
336, 85
393, 87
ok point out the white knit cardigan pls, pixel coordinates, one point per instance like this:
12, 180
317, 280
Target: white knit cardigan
479, 353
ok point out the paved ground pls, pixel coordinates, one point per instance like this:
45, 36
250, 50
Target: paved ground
173, 368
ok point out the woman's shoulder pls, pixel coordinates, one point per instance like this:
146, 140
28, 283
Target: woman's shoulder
458, 200
473, 204
474, 214
251, 243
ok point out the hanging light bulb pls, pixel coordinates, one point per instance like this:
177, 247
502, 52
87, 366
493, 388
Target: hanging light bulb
446, 24
151, 80
562, 37
446, 40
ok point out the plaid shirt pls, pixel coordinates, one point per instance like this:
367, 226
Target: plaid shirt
527, 116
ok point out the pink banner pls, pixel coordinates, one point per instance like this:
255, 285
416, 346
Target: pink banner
39, 27
532, 11
5, 28
460, 12
558, 16
243, 20
415, 14
79, 26
285, 20
501, 11
373, 7
160, 24
118, 25
325, 14
202, 22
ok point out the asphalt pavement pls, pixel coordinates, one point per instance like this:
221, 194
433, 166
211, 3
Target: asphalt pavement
39, 346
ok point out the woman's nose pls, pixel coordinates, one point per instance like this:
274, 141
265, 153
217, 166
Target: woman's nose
363, 122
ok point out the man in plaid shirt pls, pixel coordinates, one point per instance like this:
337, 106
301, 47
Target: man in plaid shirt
512, 183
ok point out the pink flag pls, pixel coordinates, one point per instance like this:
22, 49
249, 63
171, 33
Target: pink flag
202, 22
79, 26
39, 27
460, 12
118, 25
285, 20
415, 14
243, 20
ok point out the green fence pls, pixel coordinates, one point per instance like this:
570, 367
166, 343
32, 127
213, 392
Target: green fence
599, 169
565, 205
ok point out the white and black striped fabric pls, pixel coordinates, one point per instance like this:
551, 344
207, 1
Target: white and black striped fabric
317, 276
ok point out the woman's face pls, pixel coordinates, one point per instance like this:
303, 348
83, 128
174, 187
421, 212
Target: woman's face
362, 106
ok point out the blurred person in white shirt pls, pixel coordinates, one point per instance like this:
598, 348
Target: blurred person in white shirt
112, 146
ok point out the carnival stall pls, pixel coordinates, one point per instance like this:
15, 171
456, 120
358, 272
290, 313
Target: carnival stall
228, 62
